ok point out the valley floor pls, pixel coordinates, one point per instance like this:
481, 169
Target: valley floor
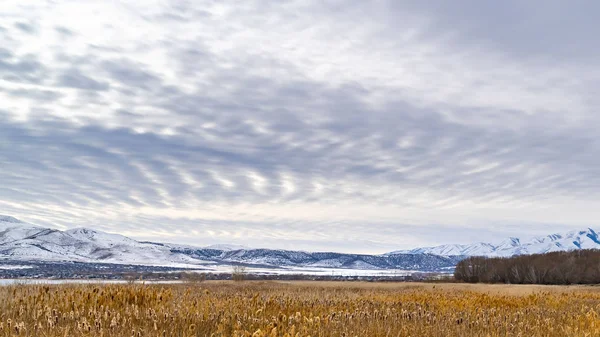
284, 309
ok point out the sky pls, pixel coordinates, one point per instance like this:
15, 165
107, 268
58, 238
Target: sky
351, 126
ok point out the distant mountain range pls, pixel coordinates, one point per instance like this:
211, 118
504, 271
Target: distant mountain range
573, 240
20, 241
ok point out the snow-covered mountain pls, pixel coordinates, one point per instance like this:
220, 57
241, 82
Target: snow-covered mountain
25, 242
290, 258
21, 241
573, 240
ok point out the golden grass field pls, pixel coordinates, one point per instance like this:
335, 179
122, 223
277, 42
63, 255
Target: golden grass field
298, 309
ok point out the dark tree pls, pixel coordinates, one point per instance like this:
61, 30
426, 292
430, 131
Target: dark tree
574, 267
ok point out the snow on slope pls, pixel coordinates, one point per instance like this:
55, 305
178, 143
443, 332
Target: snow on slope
102, 239
226, 247
12, 229
22, 241
573, 240
5, 220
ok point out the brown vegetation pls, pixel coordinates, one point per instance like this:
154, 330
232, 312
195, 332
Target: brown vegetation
576, 267
269, 309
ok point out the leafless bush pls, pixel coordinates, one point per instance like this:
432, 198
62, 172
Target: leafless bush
238, 273
575, 267
193, 277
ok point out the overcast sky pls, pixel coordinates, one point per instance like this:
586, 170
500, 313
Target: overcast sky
355, 126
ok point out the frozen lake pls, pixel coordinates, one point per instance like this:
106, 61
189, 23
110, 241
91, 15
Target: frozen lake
7, 282
225, 270
317, 271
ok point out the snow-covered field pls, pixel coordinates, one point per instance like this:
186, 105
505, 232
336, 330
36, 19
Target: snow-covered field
7, 282
14, 267
312, 271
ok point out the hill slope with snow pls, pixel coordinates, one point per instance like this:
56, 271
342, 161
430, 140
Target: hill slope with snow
573, 240
22, 241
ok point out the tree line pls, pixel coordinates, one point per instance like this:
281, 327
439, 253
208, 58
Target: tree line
574, 267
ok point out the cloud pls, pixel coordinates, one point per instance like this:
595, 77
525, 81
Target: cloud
309, 125
75, 79
27, 28
556, 32
24, 69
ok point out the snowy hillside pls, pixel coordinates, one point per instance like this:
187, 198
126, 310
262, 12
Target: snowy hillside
6, 220
573, 240
22, 241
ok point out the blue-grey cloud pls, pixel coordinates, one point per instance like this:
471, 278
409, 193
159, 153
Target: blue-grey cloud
20, 69
555, 31
74, 78
25, 27
368, 127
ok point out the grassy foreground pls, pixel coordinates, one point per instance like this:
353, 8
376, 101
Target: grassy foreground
298, 309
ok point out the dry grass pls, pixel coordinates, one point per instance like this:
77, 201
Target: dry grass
268, 309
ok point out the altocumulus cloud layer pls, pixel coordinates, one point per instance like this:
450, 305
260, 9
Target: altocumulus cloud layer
360, 126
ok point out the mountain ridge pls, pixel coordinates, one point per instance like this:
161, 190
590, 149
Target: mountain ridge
23, 241
571, 240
